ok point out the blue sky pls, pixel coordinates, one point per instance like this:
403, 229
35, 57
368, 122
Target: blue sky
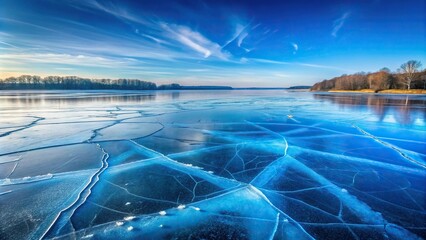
195, 42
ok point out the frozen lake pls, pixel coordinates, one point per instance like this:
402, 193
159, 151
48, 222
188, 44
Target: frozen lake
211, 164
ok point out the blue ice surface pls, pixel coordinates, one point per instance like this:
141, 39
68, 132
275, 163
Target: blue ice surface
224, 164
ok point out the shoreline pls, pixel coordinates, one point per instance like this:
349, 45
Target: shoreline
387, 91
162, 90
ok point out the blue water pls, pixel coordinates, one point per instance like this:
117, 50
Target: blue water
211, 165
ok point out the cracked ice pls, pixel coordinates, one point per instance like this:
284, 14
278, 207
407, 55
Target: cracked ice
217, 164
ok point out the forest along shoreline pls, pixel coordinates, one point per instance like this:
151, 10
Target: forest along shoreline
408, 79
388, 91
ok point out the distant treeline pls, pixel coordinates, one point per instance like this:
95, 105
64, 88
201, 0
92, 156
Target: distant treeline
407, 77
73, 82
300, 87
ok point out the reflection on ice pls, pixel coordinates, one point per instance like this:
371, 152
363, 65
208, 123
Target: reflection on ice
203, 165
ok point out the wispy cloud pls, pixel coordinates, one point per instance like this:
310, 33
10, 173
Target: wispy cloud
240, 33
65, 69
323, 66
66, 59
71, 38
269, 61
8, 44
295, 47
338, 24
171, 36
311, 65
157, 40
198, 70
110, 8
282, 75
194, 40
241, 38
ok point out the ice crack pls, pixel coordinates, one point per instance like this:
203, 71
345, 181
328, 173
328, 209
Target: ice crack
64, 216
391, 147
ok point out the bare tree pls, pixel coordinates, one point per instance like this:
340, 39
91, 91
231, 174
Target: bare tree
409, 69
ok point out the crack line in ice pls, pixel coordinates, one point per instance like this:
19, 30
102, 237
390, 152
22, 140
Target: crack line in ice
343, 224
302, 190
173, 164
303, 126
12, 160
362, 160
138, 196
61, 145
359, 208
24, 127
201, 150
13, 170
243, 217
269, 171
275, 227
3, 193
53, 146
65, 215
225, 168
391, 147
266, 199
390, 203
414, 201
194, 188
273, 133
182, 185
304, 204
107, 208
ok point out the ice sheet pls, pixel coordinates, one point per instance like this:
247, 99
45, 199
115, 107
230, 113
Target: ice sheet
214, 165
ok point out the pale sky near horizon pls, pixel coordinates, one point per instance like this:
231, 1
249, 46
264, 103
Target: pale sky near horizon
234, 43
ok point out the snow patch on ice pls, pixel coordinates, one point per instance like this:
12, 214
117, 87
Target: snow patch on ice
129, 218
196, 208
28, 179
181, 206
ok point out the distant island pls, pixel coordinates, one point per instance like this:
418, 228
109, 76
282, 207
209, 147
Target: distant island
300, 87
205, 88
407, 79
33, 82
